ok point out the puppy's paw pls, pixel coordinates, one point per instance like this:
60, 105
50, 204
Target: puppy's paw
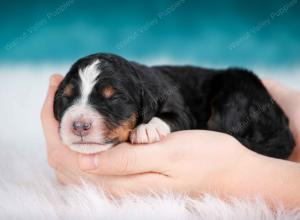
154, 131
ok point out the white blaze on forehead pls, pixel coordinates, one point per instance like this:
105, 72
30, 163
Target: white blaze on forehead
81, 110
88, 77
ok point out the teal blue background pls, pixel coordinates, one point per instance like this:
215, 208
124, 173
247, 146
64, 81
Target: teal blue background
197, 31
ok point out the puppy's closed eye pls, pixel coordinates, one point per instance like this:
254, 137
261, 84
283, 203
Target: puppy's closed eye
108, 92
68, 91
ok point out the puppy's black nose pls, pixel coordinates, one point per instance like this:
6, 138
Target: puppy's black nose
81, 128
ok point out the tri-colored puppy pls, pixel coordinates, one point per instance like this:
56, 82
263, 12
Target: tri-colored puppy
105, 99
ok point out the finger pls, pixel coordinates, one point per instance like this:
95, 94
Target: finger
47, 109
62, 159
49, 124
126, 159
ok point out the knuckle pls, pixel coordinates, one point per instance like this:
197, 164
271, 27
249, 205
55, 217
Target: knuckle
60, 178
53, 159
64, 179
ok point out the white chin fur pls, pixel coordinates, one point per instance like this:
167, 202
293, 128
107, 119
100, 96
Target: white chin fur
89, 148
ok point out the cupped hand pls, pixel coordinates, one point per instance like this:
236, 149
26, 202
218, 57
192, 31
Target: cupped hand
60, 157
190, 162
187, 162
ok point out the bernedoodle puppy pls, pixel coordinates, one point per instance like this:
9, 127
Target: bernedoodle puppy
105, 99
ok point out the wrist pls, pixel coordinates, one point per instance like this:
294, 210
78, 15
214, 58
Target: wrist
232, 167
274, 180
243, 177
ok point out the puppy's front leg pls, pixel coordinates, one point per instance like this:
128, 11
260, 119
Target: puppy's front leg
161, 125
151, 132
164, 116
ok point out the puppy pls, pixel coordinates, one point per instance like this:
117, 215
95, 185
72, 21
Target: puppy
105, 100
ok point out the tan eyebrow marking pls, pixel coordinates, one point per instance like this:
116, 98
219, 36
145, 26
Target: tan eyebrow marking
68, 91
108, 91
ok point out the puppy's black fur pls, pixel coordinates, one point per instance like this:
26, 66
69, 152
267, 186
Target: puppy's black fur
232, 101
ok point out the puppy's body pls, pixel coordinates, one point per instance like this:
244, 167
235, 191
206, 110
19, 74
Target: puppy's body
234, 101
143, 104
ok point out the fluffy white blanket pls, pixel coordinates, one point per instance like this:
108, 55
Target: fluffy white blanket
28, 189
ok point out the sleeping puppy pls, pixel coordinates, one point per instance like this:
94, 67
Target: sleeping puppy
105, 100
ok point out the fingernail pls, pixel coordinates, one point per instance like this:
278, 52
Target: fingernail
88, 162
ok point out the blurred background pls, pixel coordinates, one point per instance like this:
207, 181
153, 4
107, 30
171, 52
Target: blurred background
39, 38
216, 33
42, 37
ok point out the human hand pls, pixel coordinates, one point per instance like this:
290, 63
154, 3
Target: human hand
63, 160
191, 162
186, 162
196, 162
173, 164
60, 157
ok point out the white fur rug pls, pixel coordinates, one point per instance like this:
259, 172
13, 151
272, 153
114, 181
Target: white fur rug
28, 189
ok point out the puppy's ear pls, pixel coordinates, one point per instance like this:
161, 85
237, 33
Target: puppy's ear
149, 105
148, 91
58, 102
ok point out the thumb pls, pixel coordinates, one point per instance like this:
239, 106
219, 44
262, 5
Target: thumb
50, 125
125, 159
54, 81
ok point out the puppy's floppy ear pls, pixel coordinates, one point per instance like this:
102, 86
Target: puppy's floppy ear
58, 102
149, 105
147, 92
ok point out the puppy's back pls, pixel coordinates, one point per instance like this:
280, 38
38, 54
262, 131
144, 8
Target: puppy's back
234, 101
